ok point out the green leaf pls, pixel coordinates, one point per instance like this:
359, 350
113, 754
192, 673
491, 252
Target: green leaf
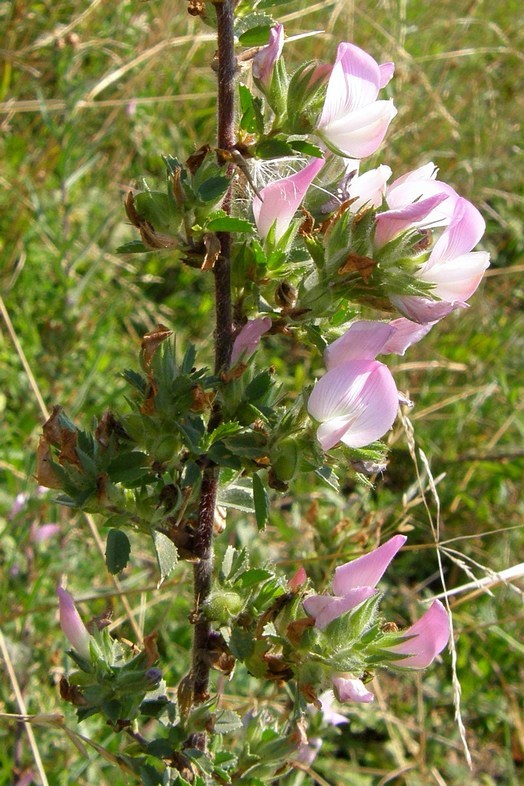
252, 576
257, 36
238, 495
273, 148
133, 247
259, 386
241, 643
128, 467
306, 148
227, 562
261, 500
166, 554
227, 721
229, 224
118, 549
213, 188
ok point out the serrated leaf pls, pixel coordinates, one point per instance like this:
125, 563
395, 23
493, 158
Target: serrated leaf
213, 188
238, 495
118, 549
251, 577
256, 36
228, 224
227, 562
227, 721
261, 502
241, 643
135, 379
306, 148
273, 148
128, 467
166, 554
259, 386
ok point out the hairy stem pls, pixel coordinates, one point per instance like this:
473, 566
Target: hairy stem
223, 341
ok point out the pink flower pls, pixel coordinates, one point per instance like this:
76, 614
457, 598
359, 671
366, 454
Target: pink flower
424, 640
39, 534
282, 198
406, 333
297, 580
364, 191
71, 623
417, 199
356, 401
329, 715
248, 339
308, 751
453, 268
353, 123
351, 689
353, 583
266, 57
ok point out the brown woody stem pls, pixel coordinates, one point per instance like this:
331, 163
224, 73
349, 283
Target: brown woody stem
223, 343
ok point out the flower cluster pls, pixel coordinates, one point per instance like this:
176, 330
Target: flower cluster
417, 244
354, 583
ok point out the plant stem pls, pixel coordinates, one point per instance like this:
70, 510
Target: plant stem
203, 546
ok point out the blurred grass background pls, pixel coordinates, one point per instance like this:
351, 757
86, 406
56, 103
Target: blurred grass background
91, 94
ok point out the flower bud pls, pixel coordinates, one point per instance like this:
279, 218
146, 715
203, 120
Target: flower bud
223, 605
71, 623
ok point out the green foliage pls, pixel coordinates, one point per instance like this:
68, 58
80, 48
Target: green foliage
82, 117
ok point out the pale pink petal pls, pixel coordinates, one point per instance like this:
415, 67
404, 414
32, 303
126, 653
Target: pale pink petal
364, 340
360, 392
325, 608
332, 431
329, 715
464, 232
265, 59
368, 190
308, 751
359, 133
19, 504
423, 309
348, 689
298, 579
71, 623
430, 635
367, 571
282, 198
386, 73
39, 534
456, 279
392, 222
248, 339
379, 409
406, 333
426, 172
354, 83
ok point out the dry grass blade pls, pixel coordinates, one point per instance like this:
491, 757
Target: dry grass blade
45, 414
23, 710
